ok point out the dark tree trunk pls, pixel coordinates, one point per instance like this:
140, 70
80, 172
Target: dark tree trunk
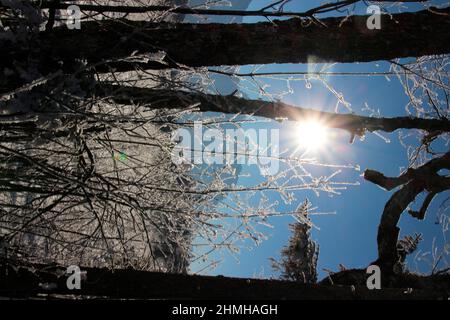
131, 284
401, 35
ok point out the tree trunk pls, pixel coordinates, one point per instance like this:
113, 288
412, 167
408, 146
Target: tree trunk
290, 41
131, 284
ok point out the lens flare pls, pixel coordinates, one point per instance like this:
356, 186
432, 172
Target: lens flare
311, 135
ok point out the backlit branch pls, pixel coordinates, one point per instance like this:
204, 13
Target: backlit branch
274, 110
414, 181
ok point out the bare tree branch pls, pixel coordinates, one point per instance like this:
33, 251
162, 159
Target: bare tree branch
354, 124
414, 181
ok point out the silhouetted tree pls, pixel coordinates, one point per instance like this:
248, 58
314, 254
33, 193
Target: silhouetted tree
299, 258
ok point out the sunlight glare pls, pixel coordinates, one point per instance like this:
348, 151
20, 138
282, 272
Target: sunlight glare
311, 135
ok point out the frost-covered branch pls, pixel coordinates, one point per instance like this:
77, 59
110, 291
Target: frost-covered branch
354, 124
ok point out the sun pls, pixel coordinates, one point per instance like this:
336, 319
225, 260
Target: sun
311, 135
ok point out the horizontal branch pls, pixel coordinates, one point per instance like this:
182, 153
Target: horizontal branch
306, 73
421, 173
354, 124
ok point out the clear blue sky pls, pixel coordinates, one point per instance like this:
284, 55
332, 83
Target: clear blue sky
349, 237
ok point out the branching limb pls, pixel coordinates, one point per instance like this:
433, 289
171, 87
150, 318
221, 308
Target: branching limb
414, 182
421, 213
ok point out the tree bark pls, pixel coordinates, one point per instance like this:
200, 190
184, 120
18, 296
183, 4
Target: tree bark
110, 44
290, 41
32, 281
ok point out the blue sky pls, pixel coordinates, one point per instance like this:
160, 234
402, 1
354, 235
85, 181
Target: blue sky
349, 237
